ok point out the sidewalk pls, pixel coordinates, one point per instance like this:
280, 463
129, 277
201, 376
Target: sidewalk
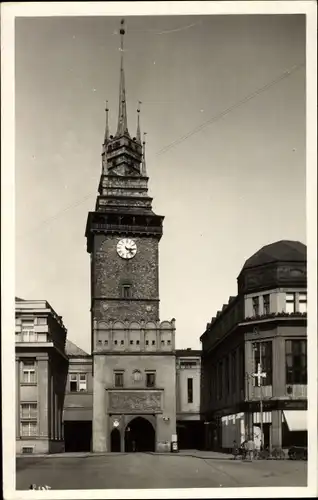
182, 453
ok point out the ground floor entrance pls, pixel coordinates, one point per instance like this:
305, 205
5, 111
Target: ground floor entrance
190, 434
77, 435
138, 435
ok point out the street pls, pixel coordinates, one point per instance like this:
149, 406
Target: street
146, 470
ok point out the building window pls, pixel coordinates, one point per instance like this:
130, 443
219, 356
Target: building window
162, 342
126, 291
150, 379
302, 302
153, 342
190, 390
29, 411
233, 371
29, 428
188, 364
147, 342
119, 379
28, 334
78, 382
255, 301
115, 342
28, 416
121, 342
28, 371
131, 342
290, 302
266, 307
296, 361
137, 342
169, 342
263, 356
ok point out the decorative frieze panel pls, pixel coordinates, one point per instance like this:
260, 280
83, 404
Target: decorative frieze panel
135, 402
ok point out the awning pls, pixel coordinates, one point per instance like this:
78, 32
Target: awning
296, 420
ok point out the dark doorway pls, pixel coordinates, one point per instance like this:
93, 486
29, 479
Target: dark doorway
115, 440
139, 435
77, 435
190, 435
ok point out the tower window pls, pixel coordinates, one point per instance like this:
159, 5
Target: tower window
126, 291
119, 379
150, 379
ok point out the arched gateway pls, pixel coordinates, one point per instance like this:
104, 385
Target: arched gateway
139, 435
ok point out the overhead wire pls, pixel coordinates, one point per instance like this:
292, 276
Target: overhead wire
186, 136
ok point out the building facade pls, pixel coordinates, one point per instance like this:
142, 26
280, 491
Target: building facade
254, 354
41, 374
190, 427
78, 403
133, 352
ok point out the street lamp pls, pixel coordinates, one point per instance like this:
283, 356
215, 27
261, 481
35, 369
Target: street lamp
259, 375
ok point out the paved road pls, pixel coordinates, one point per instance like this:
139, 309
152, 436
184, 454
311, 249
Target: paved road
142, 470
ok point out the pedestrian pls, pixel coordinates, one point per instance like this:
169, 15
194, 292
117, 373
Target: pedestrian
244, 449
235, 450
250, 448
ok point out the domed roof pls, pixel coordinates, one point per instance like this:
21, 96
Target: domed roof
280, 251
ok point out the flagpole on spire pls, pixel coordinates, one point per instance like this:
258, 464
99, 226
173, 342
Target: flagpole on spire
106, 139
107, 125
122, 127
143, 163
138, 136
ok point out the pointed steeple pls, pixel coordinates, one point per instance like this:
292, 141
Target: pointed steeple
138, 136
122, 127
143, 162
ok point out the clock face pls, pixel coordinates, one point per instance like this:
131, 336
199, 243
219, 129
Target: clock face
126, 248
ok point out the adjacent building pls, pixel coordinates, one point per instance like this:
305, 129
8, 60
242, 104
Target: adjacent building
190, 428
255, 350
41, 375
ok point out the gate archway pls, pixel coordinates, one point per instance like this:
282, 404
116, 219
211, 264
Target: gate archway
139, 435
115, 440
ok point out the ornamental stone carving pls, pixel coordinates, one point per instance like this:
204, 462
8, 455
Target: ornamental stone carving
134, 401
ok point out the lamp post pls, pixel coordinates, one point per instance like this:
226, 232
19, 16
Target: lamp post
260, 375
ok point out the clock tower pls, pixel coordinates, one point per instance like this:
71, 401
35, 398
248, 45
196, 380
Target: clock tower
127, 337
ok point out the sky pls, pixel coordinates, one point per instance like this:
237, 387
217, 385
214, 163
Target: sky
226, 150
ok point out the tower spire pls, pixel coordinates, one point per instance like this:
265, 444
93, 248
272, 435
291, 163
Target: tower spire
138, 136
122, 127
143, 162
